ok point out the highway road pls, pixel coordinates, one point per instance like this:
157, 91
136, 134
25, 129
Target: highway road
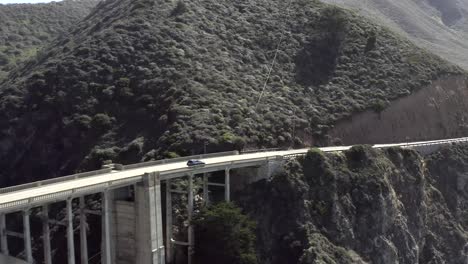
93, 184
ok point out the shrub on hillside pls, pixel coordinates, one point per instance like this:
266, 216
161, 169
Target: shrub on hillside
224, 235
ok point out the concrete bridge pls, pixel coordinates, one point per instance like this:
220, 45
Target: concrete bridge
134, 229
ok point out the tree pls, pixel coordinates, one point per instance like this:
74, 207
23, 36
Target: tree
371, 41
180, 8
224, 235
3, 59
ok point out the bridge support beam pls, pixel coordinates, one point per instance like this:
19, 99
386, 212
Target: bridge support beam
227, 186
46, 235
191, 239
27, 236
169, 254
70, 236
83, 232
106, 229
3, 235
149, 237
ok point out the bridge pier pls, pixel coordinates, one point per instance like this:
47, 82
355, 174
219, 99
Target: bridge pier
46, 235
106, 229
83, 232
149, 237
70, 235
27, 236
191, 234
169, 254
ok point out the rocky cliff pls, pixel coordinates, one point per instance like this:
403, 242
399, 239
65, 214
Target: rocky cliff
365, 206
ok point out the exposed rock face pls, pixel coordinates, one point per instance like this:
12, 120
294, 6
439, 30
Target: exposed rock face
365, 206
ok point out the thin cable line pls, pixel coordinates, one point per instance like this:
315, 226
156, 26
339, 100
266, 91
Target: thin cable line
274, 57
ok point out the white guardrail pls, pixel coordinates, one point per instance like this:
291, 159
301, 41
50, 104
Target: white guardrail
111, 184
110, 168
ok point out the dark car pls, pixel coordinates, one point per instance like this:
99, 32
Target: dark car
195, 163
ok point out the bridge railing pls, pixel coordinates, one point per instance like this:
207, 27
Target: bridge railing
164, 161
247, 151
54, 180
425, 143
62, 195
158, 162
109, 169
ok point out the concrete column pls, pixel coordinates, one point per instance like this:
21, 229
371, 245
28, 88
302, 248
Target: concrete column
190, 216
27, 236
106, 239
83, 233
206, 195
150, 244
46, 235
70, 236
3, 235
227, 186
160, 251
169, 255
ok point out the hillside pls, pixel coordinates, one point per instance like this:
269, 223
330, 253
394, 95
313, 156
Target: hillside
142, 79
364, 206
441, 26
26, 28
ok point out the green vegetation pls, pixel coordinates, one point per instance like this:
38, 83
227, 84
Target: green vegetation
179, 76
364, 205
26, 28
224, 235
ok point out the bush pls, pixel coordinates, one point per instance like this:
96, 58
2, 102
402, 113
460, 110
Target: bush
3, 59
224, 235
180, 8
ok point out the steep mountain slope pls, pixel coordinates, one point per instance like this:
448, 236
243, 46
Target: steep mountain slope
364, 206
139, 79
26, 28
438, 25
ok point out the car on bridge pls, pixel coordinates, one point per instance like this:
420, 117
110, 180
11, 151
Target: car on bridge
192, 162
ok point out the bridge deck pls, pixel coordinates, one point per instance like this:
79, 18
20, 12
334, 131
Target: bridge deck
30, 197
179, 168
